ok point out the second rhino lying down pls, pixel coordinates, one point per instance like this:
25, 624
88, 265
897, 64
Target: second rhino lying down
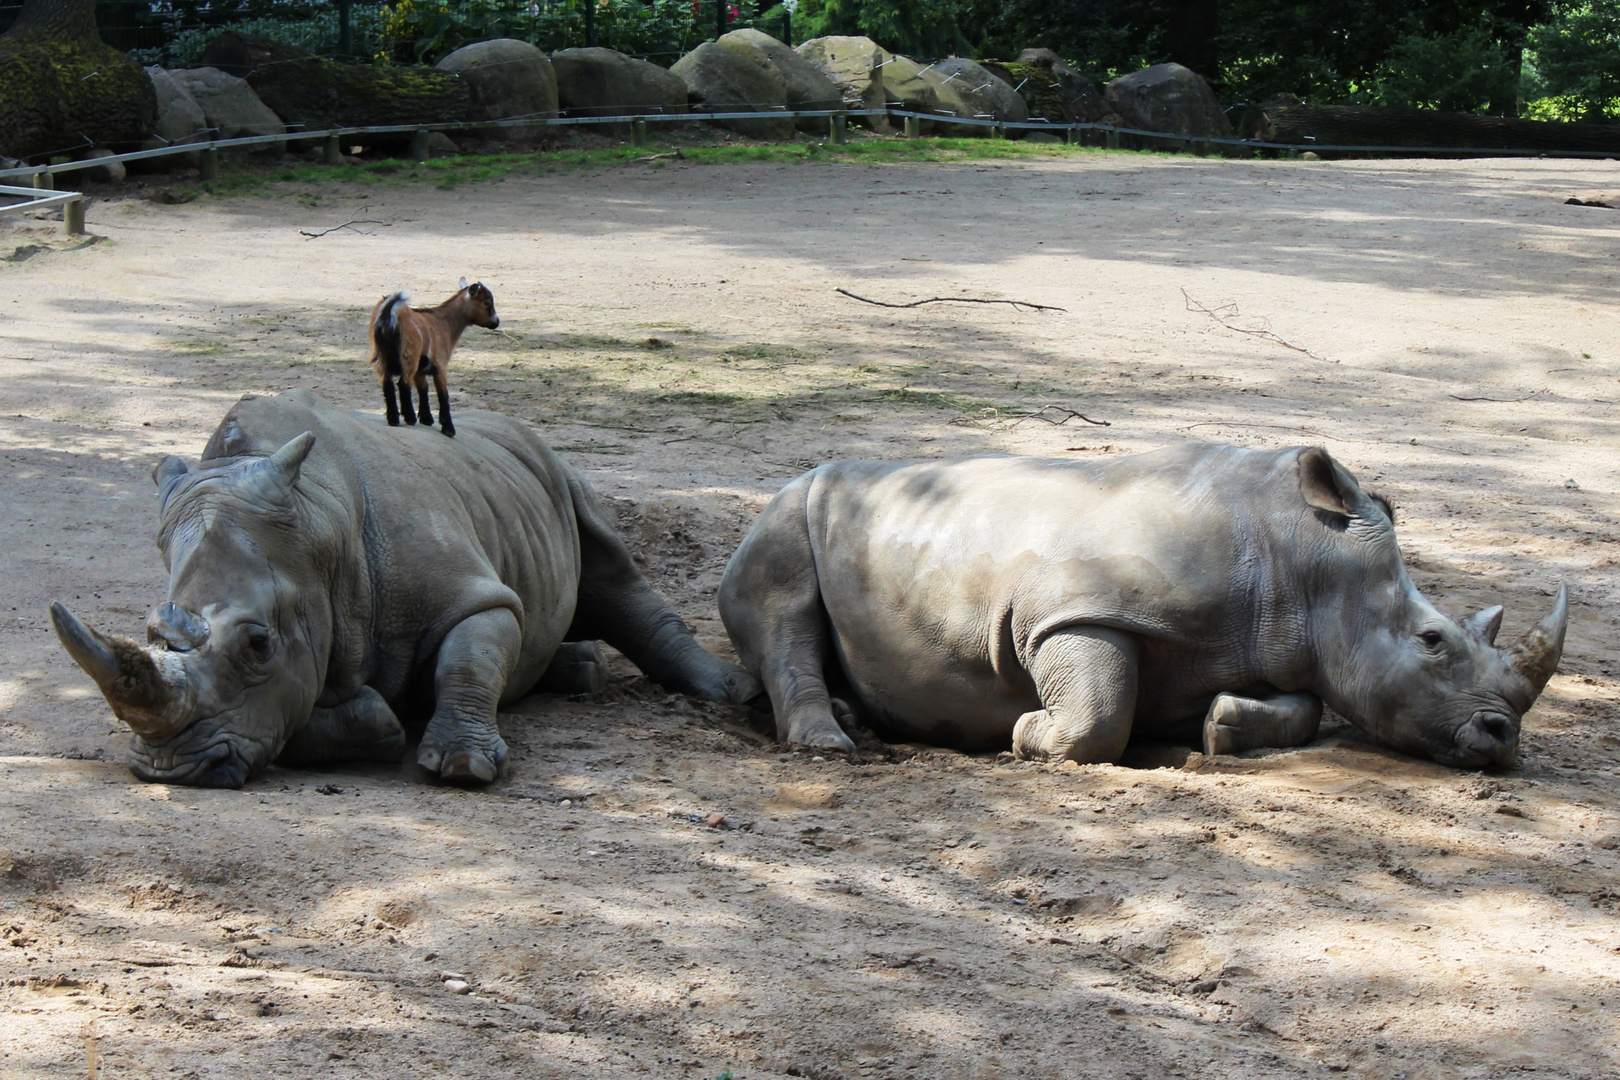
1194, 593
326, 569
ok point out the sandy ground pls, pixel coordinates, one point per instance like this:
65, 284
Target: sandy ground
911, 912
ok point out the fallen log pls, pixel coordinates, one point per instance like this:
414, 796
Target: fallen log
1369, 125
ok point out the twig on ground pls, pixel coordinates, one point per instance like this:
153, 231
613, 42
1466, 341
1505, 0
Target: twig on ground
350, 224
953, 300
1263, 333
1275, 427
1065, 415
676, 153
1500, 400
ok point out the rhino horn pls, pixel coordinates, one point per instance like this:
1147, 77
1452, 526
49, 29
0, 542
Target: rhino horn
275, 476
1484, 624
1535, 656
149, 699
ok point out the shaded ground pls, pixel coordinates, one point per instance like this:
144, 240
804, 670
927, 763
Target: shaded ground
911, 912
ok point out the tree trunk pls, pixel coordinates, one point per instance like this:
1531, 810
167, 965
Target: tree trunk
63, 91
1368, 125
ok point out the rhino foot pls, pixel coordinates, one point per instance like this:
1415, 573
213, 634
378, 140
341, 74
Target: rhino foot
460, 765
824, 732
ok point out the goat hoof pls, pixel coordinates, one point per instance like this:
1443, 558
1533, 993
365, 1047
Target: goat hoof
393, 421
450, 430
409, 419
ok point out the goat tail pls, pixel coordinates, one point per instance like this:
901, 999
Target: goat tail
385, 332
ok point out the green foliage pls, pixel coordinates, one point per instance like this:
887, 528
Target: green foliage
318, 33
912, 27
1463, 71
1575, 64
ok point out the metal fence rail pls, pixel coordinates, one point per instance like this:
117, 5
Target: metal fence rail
40, 196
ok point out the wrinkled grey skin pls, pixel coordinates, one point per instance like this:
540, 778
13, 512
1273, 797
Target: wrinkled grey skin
326, 569
1198, 592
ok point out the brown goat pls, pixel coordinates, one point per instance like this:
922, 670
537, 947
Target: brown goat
406, 341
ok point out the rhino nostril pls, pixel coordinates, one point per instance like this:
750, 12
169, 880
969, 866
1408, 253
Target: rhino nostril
1494, 727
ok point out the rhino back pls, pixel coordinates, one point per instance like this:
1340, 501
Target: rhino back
939, 578
419, 531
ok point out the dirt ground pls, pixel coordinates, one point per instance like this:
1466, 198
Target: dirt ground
910, 912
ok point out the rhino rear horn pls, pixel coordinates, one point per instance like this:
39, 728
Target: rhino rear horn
126, 674
1535, 656
1484, 624
276, 475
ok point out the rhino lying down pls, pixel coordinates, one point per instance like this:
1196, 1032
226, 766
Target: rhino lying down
1197, 592
326, 569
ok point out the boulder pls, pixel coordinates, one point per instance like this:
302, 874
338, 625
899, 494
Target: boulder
228, 104
963, 88
108, 172
905, 86
1052, 89
1169, 98
506, 79
319, 93
721, 79
806, 85
180, 120
855, 66
602, 82
239, 54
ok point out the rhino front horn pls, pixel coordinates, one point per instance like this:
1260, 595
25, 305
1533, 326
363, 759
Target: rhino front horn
1535, 656
151, 701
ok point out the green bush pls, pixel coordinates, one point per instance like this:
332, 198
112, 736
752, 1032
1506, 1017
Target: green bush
318, 33
1463, 71
1574, 64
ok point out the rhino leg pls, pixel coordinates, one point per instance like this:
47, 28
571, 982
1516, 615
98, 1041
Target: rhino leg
1086, 678
462, 741
770, 600
616, 605
1235, 724
576, 668
363, 728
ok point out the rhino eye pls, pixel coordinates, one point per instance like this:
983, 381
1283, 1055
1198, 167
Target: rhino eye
1432, 639
257, 643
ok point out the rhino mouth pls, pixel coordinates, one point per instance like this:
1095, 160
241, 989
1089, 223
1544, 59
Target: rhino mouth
218, 759
1489, 737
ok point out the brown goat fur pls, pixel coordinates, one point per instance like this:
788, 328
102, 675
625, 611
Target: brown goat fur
406, 342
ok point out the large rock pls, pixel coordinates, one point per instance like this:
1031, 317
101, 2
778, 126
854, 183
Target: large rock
1051, 88
855, 65
228, 104
319, 93
963, 88
721, 79
506, 79
602, 82
1169, 98
180, 120
806, 85
906, 86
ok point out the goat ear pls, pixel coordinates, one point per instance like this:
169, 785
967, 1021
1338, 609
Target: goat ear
463, 284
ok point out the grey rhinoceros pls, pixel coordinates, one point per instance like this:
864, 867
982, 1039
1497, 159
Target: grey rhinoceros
1196, 592
326, 569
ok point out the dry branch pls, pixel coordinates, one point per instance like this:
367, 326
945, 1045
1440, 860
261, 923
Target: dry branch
1500, 401
350, 224
1064, 416
1263, 333
952, 300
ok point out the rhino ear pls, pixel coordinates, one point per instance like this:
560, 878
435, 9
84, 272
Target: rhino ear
1326, 485
1484, 624
275, 476
166, 475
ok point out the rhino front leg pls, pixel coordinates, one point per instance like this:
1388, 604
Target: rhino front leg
462, 741
575, 668
363, 728
1086, 678
1235, 724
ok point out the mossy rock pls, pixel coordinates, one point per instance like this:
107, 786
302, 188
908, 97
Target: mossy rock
1055, 92
57, 93
321, 93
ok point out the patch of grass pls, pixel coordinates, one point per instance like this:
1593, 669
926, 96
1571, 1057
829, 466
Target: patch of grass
761, 350
448, 173
699, 397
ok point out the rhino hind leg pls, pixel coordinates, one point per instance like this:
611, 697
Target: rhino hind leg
1086, 678
1235, 723
616, 605
363, 728
576, 668
462, 742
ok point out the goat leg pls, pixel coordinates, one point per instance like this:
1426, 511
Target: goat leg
392, 409
407, 411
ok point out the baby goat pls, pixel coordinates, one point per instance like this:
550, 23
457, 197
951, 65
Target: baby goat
405, 341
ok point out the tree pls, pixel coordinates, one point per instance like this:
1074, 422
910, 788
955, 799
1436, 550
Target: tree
63, 90
1577, 61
